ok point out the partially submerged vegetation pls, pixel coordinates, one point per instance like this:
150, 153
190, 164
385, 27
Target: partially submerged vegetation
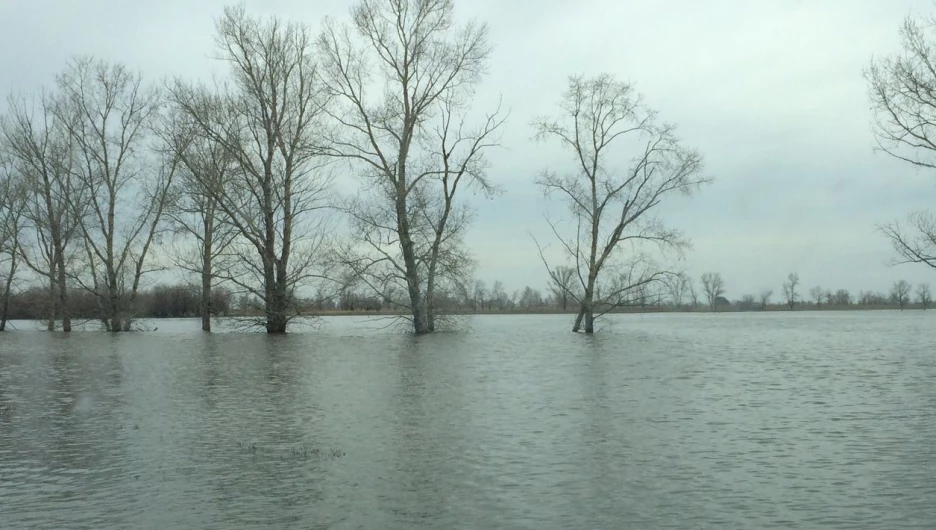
106, 179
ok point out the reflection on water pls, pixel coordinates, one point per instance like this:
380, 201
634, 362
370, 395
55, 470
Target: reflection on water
663, 421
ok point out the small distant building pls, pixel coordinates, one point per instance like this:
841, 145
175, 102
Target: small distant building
722, 303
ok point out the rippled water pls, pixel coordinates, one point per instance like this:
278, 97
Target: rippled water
800, 420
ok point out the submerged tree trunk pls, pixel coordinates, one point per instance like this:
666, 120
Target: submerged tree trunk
5, 303
53, 302
276, 319
277, 297
586, 312
585, 318
206, 302
276, 307
411, 264
207, 247
64, 310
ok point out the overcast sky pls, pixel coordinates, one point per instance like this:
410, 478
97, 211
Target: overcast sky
771, 92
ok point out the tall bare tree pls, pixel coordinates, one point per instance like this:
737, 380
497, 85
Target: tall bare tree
41, 147
12, 202
765, 298
109, 112
713, 286
902, 90
791, 295
817, 293
267, 121
900, 293
403, 74
202, 231
923, 295
612, 206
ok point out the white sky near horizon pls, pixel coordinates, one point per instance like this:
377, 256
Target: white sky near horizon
771, 92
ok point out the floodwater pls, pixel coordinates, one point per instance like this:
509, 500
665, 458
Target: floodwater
681, 421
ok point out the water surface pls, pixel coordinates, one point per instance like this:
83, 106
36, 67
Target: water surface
682, 421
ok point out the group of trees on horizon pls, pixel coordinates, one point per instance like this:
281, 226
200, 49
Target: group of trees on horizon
105, 178
679, 294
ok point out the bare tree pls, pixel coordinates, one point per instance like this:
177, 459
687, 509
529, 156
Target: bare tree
747, 302
43, 151
678, 287
789, 289
12, 202
841, 297
902, 89
479, 294
499, 297
267, 123
693, 292
529, 298
900, 293
765, 298
108, 113
403, 74
713, 286
611, 207
562, 284
923, 295
816, 293
203, 232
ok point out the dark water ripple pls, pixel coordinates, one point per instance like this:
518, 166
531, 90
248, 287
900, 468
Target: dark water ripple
663, 421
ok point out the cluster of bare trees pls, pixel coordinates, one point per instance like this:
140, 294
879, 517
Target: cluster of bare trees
111, 166
901, 295
91, 183
232, 180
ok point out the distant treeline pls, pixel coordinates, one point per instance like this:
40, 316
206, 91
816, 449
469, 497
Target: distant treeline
182, 301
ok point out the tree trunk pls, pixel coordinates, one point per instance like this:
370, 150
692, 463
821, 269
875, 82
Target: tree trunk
53, 301
586, 310
63, 292
5, 305
585, 318
276, 318
277, 302
276, 322
206, 277
4, 311
578, 319
412, 268
206, 301
118, 321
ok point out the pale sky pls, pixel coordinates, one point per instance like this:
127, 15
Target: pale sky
771, 92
